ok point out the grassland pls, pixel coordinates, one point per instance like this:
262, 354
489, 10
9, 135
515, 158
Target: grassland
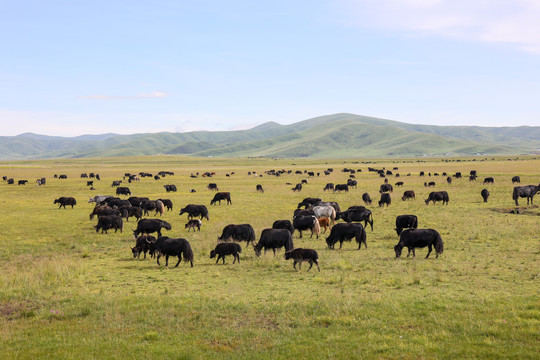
69, 292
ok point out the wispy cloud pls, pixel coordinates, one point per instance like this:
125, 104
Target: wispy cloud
155, 94
513, 22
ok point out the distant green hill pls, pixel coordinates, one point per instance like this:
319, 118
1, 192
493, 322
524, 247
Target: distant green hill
338, 135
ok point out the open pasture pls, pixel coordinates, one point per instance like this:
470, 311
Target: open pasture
69, 292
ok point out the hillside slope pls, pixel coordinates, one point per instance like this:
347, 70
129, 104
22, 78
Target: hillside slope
338, 135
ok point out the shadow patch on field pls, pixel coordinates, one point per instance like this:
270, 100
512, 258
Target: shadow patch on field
14, 310
519, 210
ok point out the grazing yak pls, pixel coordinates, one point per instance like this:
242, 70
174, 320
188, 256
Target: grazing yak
259, 188
409, 194
308, 202
107, 222
274, 239
324, 223
298, 187
399, 183
142, 245
63, 201
165, 246
212, 186
485, 194
194, 211
155, 205
516, 179
148, 226
122, 190
300, 255
224, 249
192, 224
324, 212
104, 210
419, 238
241, 232
527, 191
366, 199
357, 213
385, 199
406, 222
489, 180
438, 196
341, 187
283, 224
310, 222
345, 232
221, 196
170, 188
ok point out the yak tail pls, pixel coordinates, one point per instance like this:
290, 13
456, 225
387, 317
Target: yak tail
515, 194
188, 253
289, 244
316, 227
370, 220
439, 248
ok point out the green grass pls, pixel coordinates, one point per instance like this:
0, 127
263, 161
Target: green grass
68, 292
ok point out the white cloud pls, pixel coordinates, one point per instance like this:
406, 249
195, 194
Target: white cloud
154, 94
514, 22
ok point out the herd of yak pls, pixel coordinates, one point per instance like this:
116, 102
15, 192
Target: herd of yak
311, 214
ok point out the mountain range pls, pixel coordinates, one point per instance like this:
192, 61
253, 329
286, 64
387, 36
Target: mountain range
330, 136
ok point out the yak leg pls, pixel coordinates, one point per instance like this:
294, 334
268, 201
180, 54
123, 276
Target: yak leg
429, 251
294, 264
409, 253
340, 244
274, 249
223, 259
219, 257
179, 259
166, 260
159, 255
413, 253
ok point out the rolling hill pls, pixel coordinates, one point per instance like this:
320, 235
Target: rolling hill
338, 135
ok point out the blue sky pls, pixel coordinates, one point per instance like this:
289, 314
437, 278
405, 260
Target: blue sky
70, 67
